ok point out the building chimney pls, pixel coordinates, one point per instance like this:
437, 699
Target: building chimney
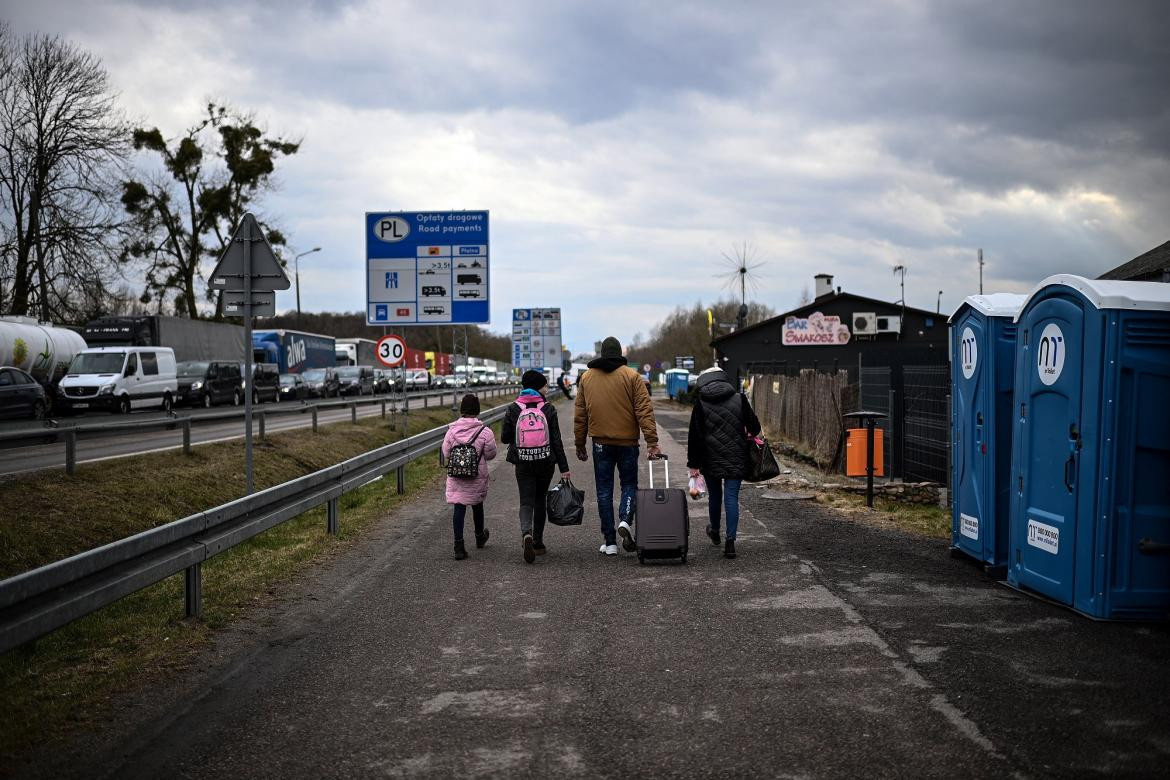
824, 284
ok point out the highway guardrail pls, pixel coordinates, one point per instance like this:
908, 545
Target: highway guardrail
42, 600
54, 432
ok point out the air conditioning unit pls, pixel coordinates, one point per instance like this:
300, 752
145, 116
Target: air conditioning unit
865, 323
889, 324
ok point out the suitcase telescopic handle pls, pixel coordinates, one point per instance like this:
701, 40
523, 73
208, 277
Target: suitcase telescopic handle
665, 467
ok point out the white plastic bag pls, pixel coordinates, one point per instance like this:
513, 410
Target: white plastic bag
697, 488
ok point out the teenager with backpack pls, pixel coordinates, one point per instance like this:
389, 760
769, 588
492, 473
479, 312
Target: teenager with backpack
467, 447
533, 436
717, 448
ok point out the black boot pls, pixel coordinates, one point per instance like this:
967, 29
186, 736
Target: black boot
713, 535
481, 539
729, 549
460, 552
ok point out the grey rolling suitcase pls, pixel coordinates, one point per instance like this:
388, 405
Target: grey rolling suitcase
662, 523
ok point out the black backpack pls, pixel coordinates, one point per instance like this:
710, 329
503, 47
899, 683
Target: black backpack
463, 462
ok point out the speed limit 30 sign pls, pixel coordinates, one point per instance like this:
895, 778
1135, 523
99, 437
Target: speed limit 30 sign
391, 351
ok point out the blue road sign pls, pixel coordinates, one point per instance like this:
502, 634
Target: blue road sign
427, 267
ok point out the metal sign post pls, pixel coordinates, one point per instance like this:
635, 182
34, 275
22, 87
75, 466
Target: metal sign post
248, 273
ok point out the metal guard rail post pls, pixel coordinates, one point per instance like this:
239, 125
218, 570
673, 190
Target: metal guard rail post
36, 602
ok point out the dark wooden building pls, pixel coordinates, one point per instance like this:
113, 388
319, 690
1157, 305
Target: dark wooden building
1153, 266
837, 330
896, 355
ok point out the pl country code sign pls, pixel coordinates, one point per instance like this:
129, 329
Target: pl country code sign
536, 338
427, 267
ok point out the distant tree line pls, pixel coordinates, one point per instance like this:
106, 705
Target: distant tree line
98, 216
685, 332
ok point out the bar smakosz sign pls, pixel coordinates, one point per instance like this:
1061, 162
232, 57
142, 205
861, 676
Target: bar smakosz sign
815, 330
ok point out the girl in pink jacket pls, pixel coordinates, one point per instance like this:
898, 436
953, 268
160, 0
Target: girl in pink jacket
465, 492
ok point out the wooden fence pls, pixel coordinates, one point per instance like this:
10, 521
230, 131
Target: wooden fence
805, 411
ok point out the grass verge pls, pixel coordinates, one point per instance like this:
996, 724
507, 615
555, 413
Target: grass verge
66, 680
922, 519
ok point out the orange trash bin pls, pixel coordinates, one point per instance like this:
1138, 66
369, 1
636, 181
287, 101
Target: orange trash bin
855, 453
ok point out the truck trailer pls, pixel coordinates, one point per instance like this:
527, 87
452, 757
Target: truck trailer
294, 351
356, 352
190, 339
39, 348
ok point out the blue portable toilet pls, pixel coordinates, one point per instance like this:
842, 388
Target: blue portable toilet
1090, 512
983, 354
676, 381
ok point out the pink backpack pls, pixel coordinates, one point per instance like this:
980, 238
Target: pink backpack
532, 440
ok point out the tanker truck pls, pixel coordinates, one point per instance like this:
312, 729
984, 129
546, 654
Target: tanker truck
41, 349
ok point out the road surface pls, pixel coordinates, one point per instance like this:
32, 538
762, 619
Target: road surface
829, 648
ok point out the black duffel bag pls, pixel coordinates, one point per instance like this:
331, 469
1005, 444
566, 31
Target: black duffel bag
565, 504
762, 463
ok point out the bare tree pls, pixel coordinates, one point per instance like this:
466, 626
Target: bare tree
183, 215
62, 140
805, 296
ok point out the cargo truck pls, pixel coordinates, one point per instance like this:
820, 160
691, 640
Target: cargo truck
356, 352
41, 349
294, 351
190, 339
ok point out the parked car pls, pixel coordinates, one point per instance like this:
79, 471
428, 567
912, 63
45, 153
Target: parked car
322, 382
418, 379
292, 388
381, 380
265, 382
21, 396
356, 380
209, 382
120, 379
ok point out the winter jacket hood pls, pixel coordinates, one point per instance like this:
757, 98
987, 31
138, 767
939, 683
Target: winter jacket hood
714, 386
608, 365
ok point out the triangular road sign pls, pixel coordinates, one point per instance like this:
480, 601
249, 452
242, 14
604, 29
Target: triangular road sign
266, 271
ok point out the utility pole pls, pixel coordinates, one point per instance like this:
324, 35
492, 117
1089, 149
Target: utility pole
980, 271
297, 265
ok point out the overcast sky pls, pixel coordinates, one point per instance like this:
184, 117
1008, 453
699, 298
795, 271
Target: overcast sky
623, 148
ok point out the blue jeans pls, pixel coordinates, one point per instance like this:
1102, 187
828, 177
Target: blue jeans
605, 458
725, 491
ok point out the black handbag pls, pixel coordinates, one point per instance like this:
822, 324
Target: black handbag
565, 504
463, 462
762, 463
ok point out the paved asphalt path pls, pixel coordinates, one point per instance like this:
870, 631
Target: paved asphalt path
829, 648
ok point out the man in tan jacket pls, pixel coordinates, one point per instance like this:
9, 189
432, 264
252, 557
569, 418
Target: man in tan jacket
613, 408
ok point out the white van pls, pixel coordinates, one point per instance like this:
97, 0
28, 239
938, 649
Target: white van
119, 379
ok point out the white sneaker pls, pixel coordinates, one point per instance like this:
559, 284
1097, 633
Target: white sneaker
627, 535
608, 549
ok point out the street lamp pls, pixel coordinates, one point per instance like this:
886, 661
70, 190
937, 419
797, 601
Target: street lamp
297, 265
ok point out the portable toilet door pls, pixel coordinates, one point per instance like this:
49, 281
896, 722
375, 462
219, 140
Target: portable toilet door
983, 344
1090, 517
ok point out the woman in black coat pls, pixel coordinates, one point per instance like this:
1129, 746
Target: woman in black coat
717, 447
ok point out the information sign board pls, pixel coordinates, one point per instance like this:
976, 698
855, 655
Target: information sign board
536, 338
427, 267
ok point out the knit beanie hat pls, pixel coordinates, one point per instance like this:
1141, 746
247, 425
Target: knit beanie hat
469, 404
611, 348
533, 380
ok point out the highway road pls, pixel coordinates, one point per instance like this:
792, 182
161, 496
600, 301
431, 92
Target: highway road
90, 449
832, 647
